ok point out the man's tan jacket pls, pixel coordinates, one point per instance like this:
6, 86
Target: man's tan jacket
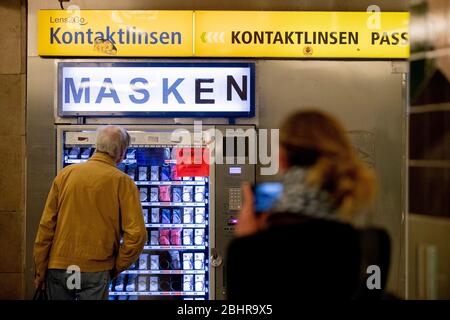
90, 207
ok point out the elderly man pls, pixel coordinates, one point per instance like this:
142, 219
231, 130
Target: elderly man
90, 207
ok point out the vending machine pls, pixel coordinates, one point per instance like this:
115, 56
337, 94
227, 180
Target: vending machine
189, 215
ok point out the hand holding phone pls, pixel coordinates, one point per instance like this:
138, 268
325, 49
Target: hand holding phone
266, 195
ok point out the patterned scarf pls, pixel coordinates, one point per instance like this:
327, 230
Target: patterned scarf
301, 198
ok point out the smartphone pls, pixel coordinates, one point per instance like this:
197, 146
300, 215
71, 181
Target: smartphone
266, 195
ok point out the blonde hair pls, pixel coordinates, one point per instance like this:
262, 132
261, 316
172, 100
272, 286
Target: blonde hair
336, 166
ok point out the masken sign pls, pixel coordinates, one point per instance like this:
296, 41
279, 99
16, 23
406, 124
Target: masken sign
156, 89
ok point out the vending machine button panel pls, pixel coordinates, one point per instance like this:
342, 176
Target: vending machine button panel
235, 199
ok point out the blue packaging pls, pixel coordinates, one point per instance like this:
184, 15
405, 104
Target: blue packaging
165, 216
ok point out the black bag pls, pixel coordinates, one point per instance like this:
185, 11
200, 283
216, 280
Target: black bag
40, 294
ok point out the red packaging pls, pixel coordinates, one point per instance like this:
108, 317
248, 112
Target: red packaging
175, 237
164, 194
164, 235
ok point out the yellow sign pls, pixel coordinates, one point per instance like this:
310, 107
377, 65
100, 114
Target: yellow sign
288, 34
301, 34
115, 33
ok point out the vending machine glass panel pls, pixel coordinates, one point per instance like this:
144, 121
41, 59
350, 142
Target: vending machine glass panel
176, 208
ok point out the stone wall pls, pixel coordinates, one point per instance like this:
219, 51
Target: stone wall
12, 146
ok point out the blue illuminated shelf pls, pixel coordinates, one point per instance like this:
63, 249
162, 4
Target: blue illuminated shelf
174, 204
157, 293
170, 183
174, 247
72, 161
164, 272
175, 225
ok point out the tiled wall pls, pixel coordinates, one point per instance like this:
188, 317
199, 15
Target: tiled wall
12, 146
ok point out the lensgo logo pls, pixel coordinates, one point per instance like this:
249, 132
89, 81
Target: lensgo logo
69, 20
74, 21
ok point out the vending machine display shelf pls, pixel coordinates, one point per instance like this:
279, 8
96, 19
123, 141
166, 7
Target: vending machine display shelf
173, 204
74, 161
170, 183
174, 247
176, 225
158, 293
164, 272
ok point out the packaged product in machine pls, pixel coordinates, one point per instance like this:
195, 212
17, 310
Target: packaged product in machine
154, 173
199, 282
119, 283
145, 214
74, 153
188, 261
131, 154
143, 261
155, 215
199, 215
175, 262
86, 153
176, 215
154, 284
187, 193
188, 235
142, 283
165, 172
199, 195
167, 154
164, 194
154, 194
199, 261
142, 173
154, 237
175, 236
154, 262
177, 194
164, 237
199, 237
131, 283
144, 194
165, 215
188, 215
173, 173
188, 282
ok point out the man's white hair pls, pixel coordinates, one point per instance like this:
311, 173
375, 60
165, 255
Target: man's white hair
113, 140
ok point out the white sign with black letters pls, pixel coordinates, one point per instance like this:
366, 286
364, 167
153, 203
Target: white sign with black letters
156, 89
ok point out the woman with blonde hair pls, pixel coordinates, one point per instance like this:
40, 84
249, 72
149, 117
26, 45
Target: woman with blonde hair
303, 246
